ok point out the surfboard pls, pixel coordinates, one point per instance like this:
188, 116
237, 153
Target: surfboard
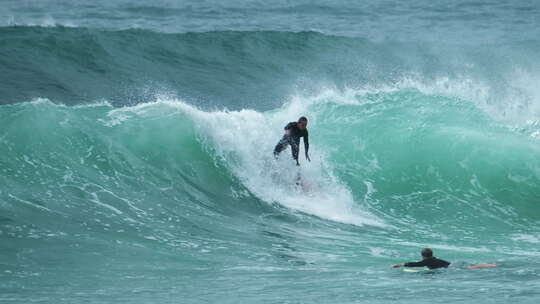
416, 270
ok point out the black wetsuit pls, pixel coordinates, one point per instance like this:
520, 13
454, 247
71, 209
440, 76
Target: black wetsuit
431, 263
293, 139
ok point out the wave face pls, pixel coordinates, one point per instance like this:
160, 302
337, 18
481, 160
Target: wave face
136, 147
166, 192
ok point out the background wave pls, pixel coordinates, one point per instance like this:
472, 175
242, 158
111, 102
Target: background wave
257, 69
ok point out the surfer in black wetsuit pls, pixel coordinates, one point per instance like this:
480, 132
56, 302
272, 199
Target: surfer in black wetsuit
431, 262
428, 260
293, 132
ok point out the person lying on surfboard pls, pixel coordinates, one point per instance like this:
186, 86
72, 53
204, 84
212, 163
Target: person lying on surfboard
293, 132
431, 262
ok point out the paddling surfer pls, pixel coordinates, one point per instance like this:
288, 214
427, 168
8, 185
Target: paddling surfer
431, 262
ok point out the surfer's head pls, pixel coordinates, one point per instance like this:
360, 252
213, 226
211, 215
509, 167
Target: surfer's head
302, 123
427, 253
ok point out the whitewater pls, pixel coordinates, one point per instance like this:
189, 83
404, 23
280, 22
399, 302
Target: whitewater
136, 145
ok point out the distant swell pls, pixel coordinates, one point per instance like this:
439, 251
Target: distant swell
257, 69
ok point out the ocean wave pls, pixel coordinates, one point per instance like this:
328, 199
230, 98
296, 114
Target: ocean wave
375, 157
256, 69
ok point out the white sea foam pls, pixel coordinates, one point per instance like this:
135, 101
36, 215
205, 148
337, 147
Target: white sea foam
245, 140
527, 238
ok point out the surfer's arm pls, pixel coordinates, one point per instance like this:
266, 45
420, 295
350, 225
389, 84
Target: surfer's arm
288, 128
306, 145
415, 264
411, 264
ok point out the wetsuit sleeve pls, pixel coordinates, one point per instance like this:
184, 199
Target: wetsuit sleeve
416, 264
306, 142
444, 263
289, 126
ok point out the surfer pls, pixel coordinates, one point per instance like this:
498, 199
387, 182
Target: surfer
293, 132
431, 262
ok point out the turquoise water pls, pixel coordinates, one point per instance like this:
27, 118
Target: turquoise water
136, 151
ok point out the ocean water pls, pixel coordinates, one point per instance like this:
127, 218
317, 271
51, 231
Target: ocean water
136, 146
